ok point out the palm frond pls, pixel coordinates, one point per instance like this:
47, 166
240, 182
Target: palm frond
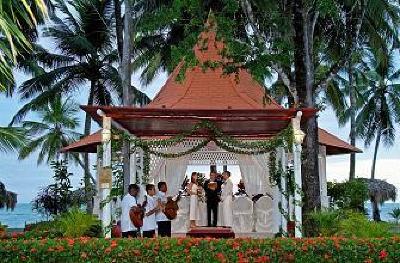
12, 138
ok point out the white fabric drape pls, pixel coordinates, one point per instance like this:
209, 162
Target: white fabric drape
173, 173
255, 173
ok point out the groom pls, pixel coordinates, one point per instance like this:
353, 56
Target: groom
212, 189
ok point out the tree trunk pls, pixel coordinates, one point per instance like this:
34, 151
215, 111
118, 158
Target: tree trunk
118, 27
126, 84
375, 210
303, 24
352, 122
88, 176
377, 142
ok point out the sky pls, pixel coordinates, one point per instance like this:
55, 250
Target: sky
26, 178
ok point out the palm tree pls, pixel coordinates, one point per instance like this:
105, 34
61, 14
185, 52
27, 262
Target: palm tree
12, 138
84, 38
367, 24
55, 130
381, 110
18, 21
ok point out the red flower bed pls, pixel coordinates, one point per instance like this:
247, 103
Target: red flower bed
201, 250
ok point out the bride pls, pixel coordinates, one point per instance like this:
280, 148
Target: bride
194, 206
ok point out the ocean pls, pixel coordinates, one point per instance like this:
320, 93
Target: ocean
23, 214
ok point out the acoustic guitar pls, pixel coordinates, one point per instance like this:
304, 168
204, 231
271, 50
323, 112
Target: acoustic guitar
136, 214
171, 207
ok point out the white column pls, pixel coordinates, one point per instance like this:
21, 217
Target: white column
140, 174
298, 139
284, 200
322, 176
133, 168
96, 203
106, 177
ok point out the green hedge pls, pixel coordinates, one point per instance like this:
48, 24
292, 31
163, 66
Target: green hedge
201, 250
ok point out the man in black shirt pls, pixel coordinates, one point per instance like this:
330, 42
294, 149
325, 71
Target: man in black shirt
212, 189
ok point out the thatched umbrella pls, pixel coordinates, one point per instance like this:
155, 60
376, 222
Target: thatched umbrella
8, 199
379, 191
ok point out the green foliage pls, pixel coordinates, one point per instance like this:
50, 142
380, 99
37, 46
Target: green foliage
348, 224
326, 223
44, 229
12, 138
179, 250
8, 199
18, 19
349, 195
3, 228
55, 130
56, 198
395, 214
357, 225
76, 223
228, 143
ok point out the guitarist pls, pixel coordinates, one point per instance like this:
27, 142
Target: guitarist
151, 206
164, 224
129, 201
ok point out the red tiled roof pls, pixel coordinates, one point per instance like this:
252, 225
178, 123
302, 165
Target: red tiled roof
210, 88
86, 144
334, 145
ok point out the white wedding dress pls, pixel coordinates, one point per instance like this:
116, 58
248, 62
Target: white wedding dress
194, 203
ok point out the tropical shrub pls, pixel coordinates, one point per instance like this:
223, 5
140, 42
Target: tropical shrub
395, 214
58, 197
357, 225
3, 229
348, 224
76, 223
201, 250
40, 230
326, 223
349, 195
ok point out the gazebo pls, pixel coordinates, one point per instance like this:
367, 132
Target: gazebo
213, 118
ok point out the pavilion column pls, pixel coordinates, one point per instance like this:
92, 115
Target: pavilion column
322, 176
284, 198
106, 178
133, 167
96, 205
298, 140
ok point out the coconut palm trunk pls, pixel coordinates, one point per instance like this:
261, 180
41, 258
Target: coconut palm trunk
125, 72
375, 203
87, 177
353, 102
377, 142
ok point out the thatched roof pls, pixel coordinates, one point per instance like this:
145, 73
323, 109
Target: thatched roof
8, 199
380, 190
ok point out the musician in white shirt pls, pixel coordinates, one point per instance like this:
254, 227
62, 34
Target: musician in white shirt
151, 206
129, 201
163, 223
